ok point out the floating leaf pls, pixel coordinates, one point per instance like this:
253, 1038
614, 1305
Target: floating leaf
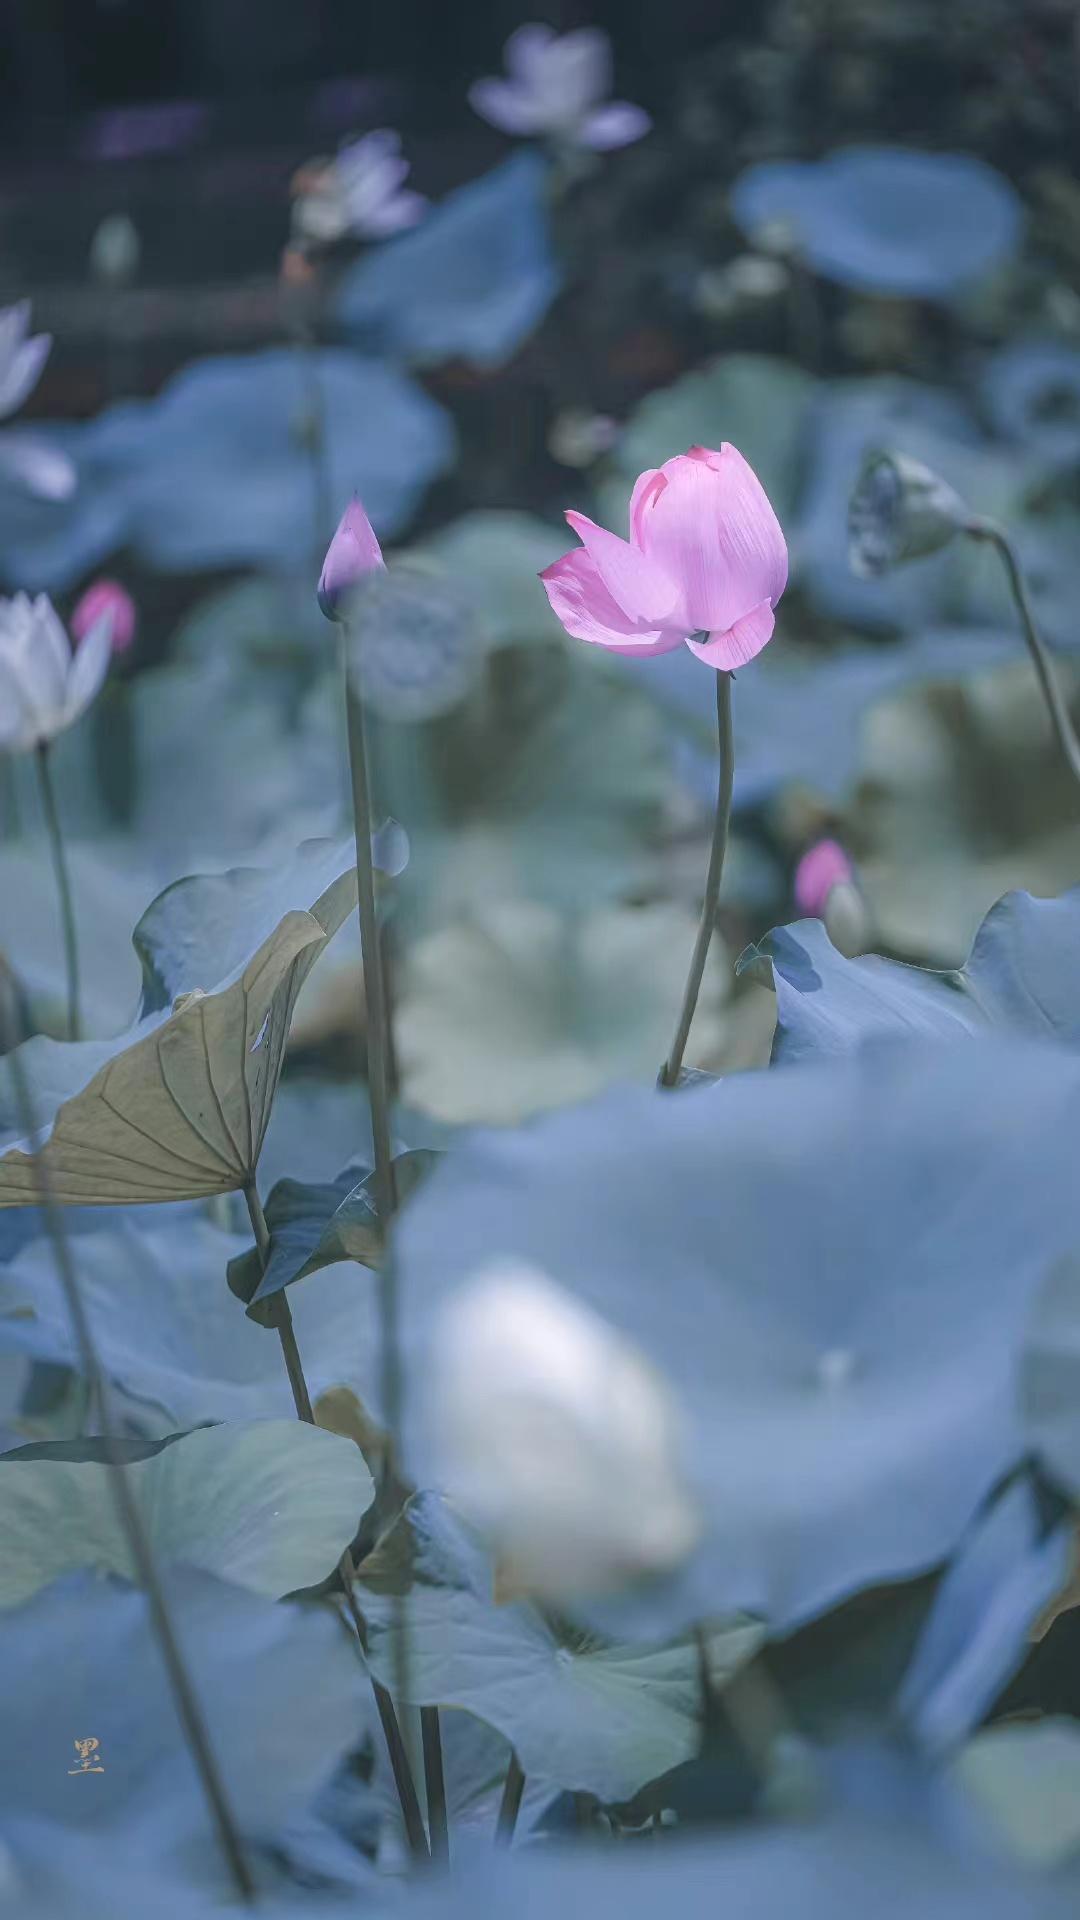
1020, 977
471, 282
270, 1507
178, 1106
847, 1374
580, 1715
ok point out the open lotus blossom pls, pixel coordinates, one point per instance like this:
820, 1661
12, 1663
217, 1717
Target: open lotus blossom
358, 194
44, 684
559, 1439
39, 468
705, 565
556, 88
105, 600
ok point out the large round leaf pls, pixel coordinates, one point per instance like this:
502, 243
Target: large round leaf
833, 1268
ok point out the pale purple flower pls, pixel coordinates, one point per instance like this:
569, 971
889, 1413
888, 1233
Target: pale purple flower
106, 600
359, 194
353, 552
823, 866
36, 466
556, 88
45, 684
705, 565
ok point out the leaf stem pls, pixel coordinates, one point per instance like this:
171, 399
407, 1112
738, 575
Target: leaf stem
63, 886
189, 1710
283, 1323
510, 1805
995, 536
669, 1073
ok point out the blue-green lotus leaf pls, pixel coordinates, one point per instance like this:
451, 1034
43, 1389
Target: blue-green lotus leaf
81, 1661
832, 1268
470, 282
1020, 978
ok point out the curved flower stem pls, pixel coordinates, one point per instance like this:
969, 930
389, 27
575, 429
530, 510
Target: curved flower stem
996, 537
669, 1073
395, 1745
188, 1707
63, 886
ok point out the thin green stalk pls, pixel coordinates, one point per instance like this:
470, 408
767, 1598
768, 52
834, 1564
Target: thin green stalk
63, 886
510, 1804
399, 1762
995, 536
669, 1074
184, 1695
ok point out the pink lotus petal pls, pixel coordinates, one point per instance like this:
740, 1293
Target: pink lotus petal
822, 868
404, 210
581, 602
740, 643
506, 106
353, 552
714, 531
618, 124
40, 468
105, 600
646, 487
526, 47
636, 583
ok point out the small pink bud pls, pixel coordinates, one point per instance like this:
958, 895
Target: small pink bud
821, 868
106, 600
353, 552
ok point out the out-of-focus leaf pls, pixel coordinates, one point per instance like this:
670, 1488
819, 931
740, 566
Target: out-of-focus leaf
171, 1338
495, 556
580, 1715
82, 1660
178, 1106
471, 282
1026, 1781
887, 219
519, 1007
1020, 977
270, 1507
1050, 1374
846, 1357
1011, 1565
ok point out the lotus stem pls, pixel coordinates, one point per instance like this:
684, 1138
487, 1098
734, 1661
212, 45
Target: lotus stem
189, 1710
510, 1805
399, 1761
669, 1074
63, 887
995, 536
435, 1786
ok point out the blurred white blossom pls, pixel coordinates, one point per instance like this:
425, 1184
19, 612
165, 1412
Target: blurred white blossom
115, 250
29, 461
556, 88
44, 684
359, 194
558, 1440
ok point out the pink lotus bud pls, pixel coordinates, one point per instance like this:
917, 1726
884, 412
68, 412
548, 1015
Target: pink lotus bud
822, 868
106, 600
353, 552
705, 565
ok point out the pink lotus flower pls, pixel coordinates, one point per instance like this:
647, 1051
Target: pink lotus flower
705, 565
353, 551
556, 88
823, 867
106, 600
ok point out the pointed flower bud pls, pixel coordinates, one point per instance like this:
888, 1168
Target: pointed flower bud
900, 510
353, 552
826, 889
560, 1441
106, 600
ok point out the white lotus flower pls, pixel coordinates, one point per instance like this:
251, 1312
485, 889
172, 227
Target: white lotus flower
358, 193
557, 1438
557, 88
44, 684
38, 467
